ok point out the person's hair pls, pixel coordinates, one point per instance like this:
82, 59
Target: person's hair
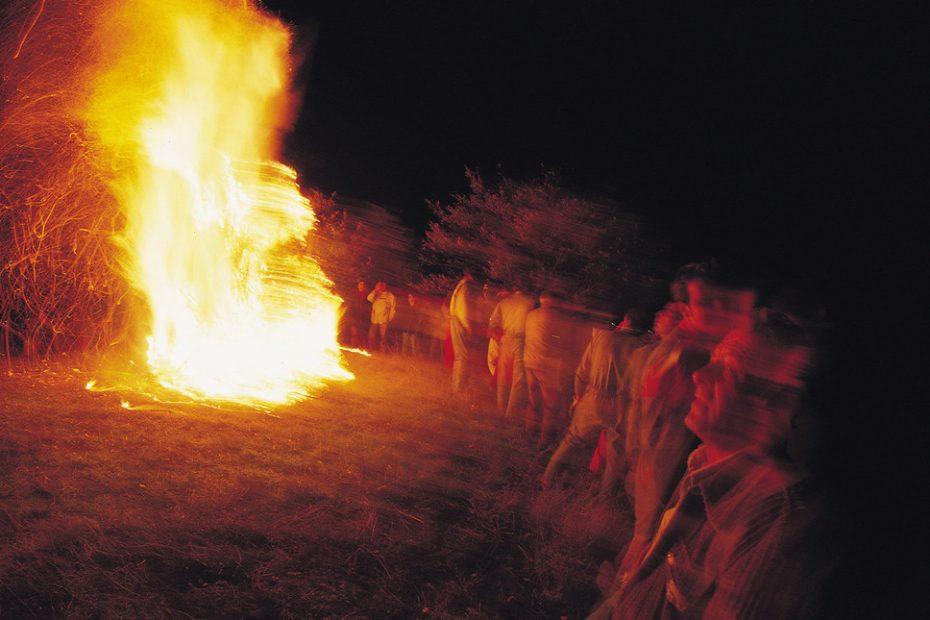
520, 283
550, 297
686, 273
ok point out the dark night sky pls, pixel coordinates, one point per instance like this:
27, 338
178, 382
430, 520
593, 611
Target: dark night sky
745, 133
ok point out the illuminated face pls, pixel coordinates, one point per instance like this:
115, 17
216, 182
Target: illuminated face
699, 302
362, 287
718, 311
665, 322
714, 391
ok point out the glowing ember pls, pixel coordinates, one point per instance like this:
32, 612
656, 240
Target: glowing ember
191, 93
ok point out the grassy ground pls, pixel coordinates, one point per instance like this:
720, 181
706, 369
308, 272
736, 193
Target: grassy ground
379, 498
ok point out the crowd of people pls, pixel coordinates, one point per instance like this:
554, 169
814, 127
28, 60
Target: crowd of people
697, 418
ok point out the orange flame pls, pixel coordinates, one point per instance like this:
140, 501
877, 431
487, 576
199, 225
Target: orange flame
189, 94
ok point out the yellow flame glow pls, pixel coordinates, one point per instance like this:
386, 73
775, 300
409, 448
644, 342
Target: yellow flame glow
191, 93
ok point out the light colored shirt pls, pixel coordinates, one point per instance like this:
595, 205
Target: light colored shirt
383, 306
509, 315
553, 340
460, 302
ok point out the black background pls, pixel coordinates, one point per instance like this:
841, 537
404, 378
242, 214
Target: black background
746, 133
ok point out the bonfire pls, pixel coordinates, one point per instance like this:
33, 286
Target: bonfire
145, 202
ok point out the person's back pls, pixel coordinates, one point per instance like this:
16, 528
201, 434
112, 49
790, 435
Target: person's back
509, 316
596, 389
461, 330
605, 361
508, 326
548, 340
549, 359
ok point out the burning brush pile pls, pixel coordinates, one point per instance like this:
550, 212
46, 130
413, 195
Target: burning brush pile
143, 208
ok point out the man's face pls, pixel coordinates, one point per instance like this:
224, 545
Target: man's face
714, 390
699, 302
410, 299
717, 311
362, 287
665, 322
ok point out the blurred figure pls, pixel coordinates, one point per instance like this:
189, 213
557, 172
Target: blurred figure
461, 330
484, 307
622, 441
613, 446
550, 342
437, 323
597, 388
508, 328
740, 537
678, 289
357, 316
665, 396
383, 307
487, 301
448, 354
411, 322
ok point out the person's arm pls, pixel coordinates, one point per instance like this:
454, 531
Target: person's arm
392, 306
495, 323
582, 373
371, 296
465, 309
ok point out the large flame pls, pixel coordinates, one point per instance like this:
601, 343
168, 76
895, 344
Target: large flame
191, 93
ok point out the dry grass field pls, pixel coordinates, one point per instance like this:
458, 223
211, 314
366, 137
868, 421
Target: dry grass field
379, 498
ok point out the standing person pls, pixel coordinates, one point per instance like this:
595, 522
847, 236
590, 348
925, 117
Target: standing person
597, 388
448, 352
622, 441
411, 322
357, 315
484, 308
666, 393
437, 323
461, 331
383, 307
549, 358
508, 327
742, 536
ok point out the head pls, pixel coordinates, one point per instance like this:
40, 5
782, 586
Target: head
411, 299
634, 319
746, 396
717, 310
692, 271
519, 285
667, 319
547, 299
362, 286
381, 287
